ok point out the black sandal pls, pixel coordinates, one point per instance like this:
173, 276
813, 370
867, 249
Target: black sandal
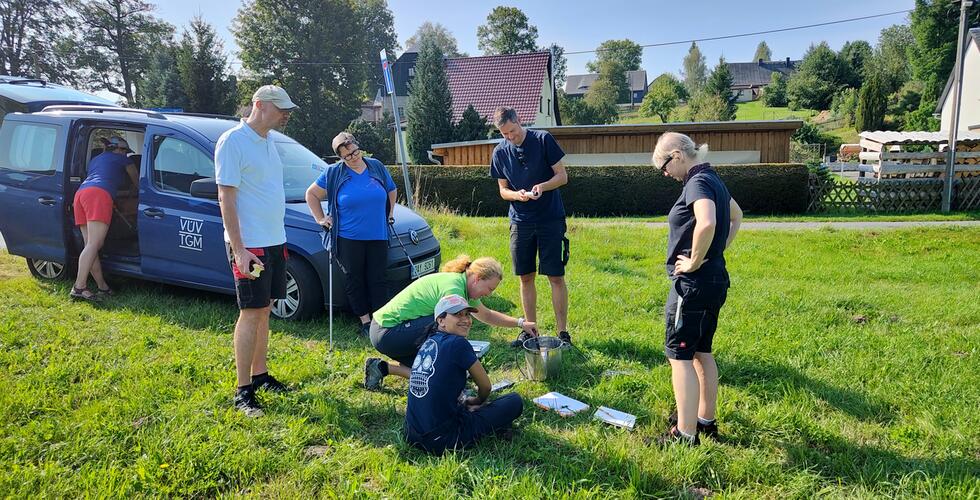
104, 292
80, 294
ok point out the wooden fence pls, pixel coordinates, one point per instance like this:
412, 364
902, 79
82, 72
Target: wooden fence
893, 195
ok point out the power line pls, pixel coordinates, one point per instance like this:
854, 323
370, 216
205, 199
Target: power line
723, 37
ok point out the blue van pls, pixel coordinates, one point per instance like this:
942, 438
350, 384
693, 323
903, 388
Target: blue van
168, 229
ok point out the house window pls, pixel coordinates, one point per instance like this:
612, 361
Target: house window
401, 111
411, 72
540, 104
549, 107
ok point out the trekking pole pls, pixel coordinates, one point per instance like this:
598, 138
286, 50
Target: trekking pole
328, 245
413, 273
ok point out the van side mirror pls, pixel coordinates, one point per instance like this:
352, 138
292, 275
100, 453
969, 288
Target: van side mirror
205, 188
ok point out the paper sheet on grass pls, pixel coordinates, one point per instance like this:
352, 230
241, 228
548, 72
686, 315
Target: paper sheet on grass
616, 417
561, 404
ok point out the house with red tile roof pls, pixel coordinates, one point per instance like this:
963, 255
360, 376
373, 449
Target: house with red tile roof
521, 81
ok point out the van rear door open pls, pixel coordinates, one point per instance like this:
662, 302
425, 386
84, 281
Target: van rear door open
32, 187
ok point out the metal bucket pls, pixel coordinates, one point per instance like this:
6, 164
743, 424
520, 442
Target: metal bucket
542, 356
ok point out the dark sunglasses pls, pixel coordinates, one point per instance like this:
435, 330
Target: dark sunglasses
520, 156
663, 168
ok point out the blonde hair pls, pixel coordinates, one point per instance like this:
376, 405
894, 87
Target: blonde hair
484, 267
341, 139
673, 141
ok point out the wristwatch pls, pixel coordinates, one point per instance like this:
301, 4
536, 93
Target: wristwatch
520, 323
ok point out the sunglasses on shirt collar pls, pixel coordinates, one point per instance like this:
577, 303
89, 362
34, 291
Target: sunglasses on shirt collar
520, 155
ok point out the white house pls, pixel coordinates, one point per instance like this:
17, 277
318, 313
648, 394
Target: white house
970, 99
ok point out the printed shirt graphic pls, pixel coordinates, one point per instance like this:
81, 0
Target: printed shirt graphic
438, 377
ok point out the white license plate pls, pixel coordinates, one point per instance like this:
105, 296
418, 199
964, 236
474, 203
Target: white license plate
425, 267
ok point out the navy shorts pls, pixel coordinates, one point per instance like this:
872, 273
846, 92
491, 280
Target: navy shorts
402, 341
271, 283
693, 329
540, 247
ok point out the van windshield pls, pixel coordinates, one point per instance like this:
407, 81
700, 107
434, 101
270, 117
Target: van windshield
300, 168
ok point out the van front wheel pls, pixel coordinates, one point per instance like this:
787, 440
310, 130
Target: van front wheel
304, 295
47, 270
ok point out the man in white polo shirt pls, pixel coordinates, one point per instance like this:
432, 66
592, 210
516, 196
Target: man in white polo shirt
248, 172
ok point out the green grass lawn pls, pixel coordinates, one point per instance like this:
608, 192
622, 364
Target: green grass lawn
850, 367
748, 111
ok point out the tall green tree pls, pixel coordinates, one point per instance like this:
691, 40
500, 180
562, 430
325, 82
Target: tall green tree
889, 60
559, 63
161, 86
35, 39
430, 108
854, 56
819, 76
669, 78
706, 107
720, 84
203, 69
118, 38
442, 36
871, 106
375, 139
695, 70
626, 51
774, 96
662, 97
507, 31
935, 27
306, 51
762, 52
603, 95
471, 126
611, 71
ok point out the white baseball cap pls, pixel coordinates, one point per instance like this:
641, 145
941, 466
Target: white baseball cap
276, 95
452, 304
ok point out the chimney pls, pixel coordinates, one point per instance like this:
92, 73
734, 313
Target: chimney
788, 64
760, 62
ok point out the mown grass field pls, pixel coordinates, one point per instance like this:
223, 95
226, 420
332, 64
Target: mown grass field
748, 111
850, 365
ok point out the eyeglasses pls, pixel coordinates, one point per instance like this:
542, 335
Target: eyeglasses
663, 168
353, 153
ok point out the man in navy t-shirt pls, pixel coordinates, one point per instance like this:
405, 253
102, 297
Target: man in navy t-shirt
529, 171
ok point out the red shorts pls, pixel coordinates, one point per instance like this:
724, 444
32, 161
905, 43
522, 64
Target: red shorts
92, 203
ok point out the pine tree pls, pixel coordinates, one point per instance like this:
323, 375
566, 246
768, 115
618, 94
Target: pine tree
774, 96
430, 108
471, 127
203, 70
720, 84
872, 104
762, 52
695, 70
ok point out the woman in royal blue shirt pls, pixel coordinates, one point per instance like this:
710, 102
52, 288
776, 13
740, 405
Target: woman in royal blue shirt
361, 197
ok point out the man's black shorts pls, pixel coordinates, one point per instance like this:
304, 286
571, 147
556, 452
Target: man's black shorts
271, 283
701, 300
544, 243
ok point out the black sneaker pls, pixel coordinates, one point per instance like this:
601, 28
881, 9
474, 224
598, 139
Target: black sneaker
246, 403
564, 336
365, 330
519, 341
674, 436
372, 374
269, 383
709, 430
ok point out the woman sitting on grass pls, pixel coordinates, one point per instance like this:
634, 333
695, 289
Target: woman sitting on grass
436, 419
401, 325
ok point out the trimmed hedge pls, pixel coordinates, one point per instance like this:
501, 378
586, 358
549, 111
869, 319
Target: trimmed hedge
612, 190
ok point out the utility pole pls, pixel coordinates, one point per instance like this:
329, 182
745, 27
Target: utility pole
957, 92
390, 87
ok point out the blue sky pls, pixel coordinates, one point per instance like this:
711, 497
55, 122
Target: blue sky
583, 25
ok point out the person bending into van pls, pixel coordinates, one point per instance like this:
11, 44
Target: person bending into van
436, 419
248, 172
93, 212
361, 194
401, 325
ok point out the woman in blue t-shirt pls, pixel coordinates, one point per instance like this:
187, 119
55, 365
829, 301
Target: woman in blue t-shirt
701, 225
438, 418
361, 196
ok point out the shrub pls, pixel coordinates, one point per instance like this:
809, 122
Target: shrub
614, 190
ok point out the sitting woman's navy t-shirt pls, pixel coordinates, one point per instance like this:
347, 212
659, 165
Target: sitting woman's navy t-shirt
702, 183
438, 377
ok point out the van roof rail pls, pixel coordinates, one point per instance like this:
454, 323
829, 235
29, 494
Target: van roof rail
202, 115
102, 109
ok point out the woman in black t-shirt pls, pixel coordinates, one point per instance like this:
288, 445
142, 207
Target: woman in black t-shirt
702, 223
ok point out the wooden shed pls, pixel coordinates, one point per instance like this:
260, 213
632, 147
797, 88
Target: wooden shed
729, 142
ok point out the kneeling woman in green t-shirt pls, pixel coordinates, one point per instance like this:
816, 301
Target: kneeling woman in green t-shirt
401, 325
